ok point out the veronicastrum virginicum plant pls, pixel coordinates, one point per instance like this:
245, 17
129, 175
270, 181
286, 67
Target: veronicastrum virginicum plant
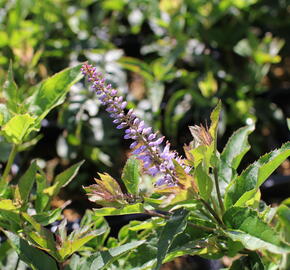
199, 205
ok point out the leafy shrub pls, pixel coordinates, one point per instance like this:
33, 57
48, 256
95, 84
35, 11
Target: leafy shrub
199, 205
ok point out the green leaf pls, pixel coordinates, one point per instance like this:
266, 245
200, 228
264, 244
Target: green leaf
102, 260
34, 257
128, 209
18, 128
26, 182
236, 147
9, 215
245, 185
63, 179
245, 225
214, 118
250, 262
69, 246
148, 224
283, 213
40, 236
41, 199
48, 217
75, 263
174, 226
5, 149
131, 176
11, 92
4, 114
204, 182
52, 91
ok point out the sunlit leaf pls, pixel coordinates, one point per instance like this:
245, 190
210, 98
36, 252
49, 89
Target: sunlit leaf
52, 91
18, 128
128, 209
103, 259
48, 217
246, 226
131, 176
70, 246
11, 92
235, 149
246, 184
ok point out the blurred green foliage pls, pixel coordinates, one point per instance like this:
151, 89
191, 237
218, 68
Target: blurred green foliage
173, 59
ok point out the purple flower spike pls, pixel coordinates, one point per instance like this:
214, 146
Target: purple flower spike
155, 161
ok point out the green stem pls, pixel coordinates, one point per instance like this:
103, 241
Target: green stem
17, 263
215, 172
4, 178
206, 214
213, 213
156, 214
201, 227
215, 207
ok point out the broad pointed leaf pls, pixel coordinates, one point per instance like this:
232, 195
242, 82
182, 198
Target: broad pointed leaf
51, 92
69, 246
40, 236
103, 259
34, 257
62, 179
174, 226
235, 149
254, 176
245, 225
26, 181
131, 176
